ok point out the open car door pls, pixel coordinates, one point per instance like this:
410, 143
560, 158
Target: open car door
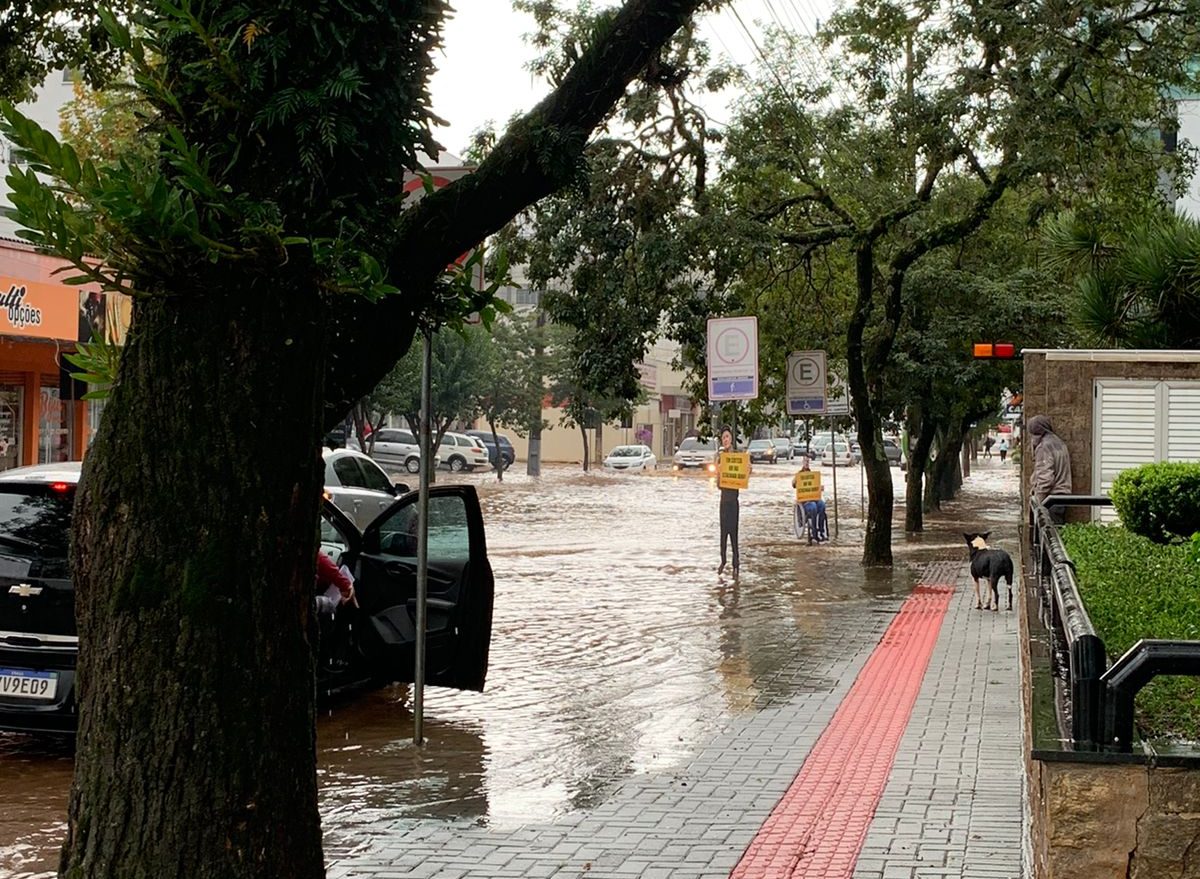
461, 590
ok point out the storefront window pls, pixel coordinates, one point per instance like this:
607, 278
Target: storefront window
54, 429
95, 409
11, 398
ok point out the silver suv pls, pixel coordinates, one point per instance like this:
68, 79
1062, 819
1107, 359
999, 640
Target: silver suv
397, 447
695, 452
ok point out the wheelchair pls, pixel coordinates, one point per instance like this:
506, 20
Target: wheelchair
810, 528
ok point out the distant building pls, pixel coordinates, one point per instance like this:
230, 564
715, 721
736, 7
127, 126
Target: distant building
42, 418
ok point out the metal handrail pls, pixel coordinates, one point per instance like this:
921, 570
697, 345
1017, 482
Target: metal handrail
1068, 622
1101, 698
1141, 663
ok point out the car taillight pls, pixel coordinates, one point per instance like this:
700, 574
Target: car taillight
60, 487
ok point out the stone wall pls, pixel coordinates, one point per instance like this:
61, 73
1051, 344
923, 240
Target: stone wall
1115, 821
1060, 384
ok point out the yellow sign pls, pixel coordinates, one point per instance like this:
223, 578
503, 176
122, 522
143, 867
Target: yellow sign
808, 486
733, 470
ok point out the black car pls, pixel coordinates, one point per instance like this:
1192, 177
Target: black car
359, 646
507, 452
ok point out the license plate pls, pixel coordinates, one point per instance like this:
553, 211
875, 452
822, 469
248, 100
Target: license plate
20, 683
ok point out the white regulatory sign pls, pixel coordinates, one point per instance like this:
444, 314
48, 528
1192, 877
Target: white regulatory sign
733, 358
838, 402
806, 383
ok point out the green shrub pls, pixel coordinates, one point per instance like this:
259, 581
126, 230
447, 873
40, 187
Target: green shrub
1134, 589
1159, 501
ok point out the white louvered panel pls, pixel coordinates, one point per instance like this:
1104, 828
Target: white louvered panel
1125, 432
1183, 421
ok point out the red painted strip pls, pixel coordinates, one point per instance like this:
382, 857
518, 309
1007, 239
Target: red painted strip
817, 829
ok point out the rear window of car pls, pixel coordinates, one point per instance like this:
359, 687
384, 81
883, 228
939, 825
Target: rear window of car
35, 521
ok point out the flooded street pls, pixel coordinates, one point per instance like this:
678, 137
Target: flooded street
616, 648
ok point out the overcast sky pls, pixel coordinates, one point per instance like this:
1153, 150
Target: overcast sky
482, 77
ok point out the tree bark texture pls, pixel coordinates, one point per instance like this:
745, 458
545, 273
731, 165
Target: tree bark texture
586, 459
533, 461
193, 564
877, 544
918, 463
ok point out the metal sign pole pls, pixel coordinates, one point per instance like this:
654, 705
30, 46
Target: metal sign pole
422, 541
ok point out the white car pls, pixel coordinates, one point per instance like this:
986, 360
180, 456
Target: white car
837, 455
631, 458
461, 452
398, 447
358, 486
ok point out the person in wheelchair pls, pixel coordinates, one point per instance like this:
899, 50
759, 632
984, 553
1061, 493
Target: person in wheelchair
809, 514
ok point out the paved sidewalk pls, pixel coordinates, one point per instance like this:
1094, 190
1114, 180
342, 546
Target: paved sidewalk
951, 805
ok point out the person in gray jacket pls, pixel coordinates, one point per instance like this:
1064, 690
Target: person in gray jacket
1051, 464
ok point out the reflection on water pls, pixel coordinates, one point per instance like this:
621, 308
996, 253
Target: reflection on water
616, 650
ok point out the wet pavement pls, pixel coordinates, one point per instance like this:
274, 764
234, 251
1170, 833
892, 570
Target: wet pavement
618, 653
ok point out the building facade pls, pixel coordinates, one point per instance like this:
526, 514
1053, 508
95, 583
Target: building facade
42, 416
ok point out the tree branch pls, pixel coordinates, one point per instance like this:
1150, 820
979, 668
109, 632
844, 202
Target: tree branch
537, 156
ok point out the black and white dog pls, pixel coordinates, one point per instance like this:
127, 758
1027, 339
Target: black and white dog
992, 564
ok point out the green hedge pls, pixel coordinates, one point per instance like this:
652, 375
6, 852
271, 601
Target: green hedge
1133, 589
1159, 501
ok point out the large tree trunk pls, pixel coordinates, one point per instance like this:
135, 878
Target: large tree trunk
533, 461
586, 459
945, 470
877, 545
194, 585
918, 463
499, 464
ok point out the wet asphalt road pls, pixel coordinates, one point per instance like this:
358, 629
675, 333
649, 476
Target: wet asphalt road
616, 649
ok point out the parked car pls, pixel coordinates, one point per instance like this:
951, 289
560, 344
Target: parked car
762, 451
360, 646
837, 454
357, 485
398, 447
891, 449
507, 452
631, 458
461, 452
694, 452
783, 448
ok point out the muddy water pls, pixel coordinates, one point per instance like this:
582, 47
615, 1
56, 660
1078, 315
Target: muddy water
616, 649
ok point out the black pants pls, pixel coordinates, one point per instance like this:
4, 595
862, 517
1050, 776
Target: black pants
729, 529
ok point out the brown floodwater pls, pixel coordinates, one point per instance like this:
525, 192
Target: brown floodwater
616, 650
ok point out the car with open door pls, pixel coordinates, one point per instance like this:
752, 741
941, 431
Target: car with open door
372, 641
357, 646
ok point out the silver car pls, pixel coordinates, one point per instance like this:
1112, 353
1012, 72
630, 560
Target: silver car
695, 452
397, 447
358, 486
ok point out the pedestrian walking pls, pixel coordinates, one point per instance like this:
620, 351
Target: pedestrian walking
987, 446
1002, 448
1051, 465
729, 507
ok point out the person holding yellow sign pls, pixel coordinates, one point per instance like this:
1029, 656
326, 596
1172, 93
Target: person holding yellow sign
733, 474
810, 505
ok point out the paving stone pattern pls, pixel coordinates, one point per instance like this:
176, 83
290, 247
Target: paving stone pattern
951, 806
